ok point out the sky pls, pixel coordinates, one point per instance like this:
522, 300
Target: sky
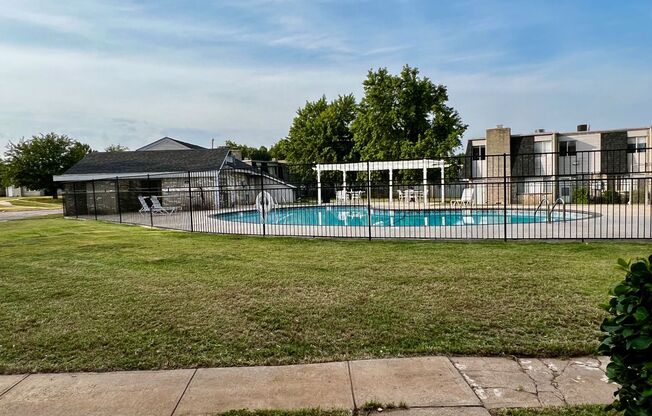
130, 72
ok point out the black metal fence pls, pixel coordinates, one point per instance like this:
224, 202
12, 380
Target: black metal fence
555, 195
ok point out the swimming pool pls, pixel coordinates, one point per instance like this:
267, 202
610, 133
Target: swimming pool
358, 216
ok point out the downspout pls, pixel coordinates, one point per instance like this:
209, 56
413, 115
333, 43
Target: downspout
648, 156
555, 165
217, 180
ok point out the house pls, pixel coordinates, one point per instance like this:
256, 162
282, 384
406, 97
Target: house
185, 176
573, 166
168, 143
17, 191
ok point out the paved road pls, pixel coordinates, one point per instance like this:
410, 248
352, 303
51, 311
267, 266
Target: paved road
17, 215
429, 386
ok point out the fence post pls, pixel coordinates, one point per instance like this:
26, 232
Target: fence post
151, 214
94, 200
369, 199
505, 196
74, 194
117, 198
262, 202
192, 226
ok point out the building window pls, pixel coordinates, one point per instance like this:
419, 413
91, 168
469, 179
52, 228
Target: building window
479, 153
636, 154
636, 145
568, 148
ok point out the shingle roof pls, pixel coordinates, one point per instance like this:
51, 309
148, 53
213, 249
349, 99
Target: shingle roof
159, 161
190, 145
185, 144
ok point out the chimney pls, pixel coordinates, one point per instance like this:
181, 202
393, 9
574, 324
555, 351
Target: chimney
583, 127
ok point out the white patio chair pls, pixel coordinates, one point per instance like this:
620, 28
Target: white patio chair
158, 208
401, 195
144, 206
341, 195
356, 195
467, 198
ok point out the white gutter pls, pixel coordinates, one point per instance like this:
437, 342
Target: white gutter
99, 176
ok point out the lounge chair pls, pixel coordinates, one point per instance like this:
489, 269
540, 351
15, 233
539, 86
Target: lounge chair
144, 206
158, 208
467, 198
356, 195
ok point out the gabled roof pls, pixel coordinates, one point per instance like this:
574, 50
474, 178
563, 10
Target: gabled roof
166, 140
150, 162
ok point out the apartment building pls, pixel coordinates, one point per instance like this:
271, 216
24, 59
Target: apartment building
579, 166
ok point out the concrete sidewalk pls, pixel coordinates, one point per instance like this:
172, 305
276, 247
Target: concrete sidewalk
428, 385
19, 215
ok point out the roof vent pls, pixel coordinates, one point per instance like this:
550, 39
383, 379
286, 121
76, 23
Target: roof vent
583, 127
540, 130
499, 126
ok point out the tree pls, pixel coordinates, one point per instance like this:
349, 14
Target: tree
116, 148
249, 152
31, 163
4, 179
320, 132
405, 117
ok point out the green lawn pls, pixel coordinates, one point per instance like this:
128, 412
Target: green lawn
85, 295
31, 203
554, 411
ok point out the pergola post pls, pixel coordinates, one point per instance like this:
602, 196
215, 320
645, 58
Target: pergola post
318, 185
425, 182
344, 181
442, 191
391, 185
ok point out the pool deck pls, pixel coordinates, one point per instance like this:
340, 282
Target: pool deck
602, 222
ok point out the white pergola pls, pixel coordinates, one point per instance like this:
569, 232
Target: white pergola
391, 166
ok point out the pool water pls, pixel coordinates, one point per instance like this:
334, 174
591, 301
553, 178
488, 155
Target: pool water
356, 216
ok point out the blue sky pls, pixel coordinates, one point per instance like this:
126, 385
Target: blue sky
130, 72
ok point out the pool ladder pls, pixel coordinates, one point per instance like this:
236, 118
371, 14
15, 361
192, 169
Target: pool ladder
549, 209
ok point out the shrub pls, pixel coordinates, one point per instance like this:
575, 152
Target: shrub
581, 195
610, 197
628, 339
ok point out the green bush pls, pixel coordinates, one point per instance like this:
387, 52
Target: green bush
628, 339
581, 195
610, 197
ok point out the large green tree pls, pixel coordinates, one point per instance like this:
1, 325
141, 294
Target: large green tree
112, 148
4, 179
249, 152
405, 116
320, 132
31, 163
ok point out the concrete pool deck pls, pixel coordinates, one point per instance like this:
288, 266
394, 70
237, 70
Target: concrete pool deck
426, 385
603, 222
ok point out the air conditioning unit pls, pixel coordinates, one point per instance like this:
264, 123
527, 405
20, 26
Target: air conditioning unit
540, 130
583, 127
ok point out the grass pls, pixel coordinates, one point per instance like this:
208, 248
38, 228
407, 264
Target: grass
300, 412
85, 295
591, 410
31, 203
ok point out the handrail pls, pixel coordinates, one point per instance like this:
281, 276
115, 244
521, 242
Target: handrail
563, 204
544, 199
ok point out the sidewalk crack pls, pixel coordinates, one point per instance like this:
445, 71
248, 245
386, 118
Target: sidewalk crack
12, 386
348, 366
183, 393
467, 380
534, 382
